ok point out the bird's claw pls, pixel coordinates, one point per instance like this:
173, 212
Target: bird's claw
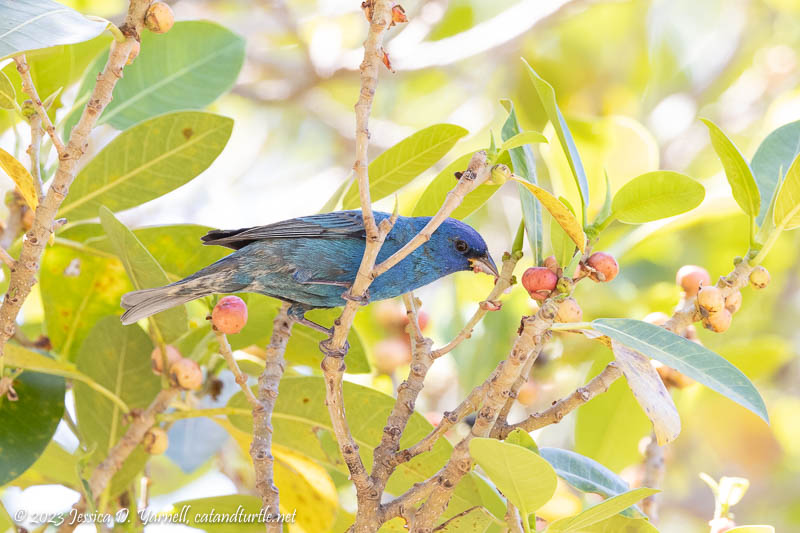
360, 300
325, 348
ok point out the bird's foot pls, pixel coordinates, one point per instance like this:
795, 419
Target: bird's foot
360, 300
325, 348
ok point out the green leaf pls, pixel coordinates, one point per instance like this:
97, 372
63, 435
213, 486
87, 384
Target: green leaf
786, 214
561, 243
147, 161
547, 96
118, 358
199, 512
56, 466
476, 520
522, 438
524, 166
31, 25
435, 194
600, 512
774, 155
621, 524
521, 139
752, 529
30, 422
144, 272
303, 347
605, 210
21, 177
649, 390
587, 475
656, 195
8, 96
559, 212
687, 357
740, 177
527, 480
406, 160
301, 423
200, 55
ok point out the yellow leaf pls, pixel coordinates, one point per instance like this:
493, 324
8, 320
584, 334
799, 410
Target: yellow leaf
559, 211
21, 177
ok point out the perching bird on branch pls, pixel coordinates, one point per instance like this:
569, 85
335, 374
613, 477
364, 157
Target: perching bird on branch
310, 262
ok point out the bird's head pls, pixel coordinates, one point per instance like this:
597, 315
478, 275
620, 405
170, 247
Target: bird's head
464, 248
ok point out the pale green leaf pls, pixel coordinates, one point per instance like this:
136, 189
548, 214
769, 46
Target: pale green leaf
740, 177
520, 139
406, 160
522, 438
561, 243
118, 358
786, 214
33, 418
599, 512
656, 195
587, 475
527, 480
773, 156
8, 96
21, 177
649, 390
56, 466
621, 524
547, 96
301, 422
687, 357
186, 68
476, 520
434, 196
34, 24
145, 273
523, 163
752, 529
147, 161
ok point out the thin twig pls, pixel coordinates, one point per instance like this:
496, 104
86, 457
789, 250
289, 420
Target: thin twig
30, 89
598, 385
7, 259
33, 152
24, 276
105, 471
261, 447
503, 282
241, 379
513, 518
654, 469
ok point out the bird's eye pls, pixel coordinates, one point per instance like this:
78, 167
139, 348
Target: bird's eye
461, 246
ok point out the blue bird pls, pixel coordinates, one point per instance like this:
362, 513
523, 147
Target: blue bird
311, 261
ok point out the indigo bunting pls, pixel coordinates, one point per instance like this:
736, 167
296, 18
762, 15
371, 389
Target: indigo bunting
311, 261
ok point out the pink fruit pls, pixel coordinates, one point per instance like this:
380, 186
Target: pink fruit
229, 315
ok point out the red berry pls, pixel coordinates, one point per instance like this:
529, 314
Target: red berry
229, 315
691, 278
604, 265
551, 263
539, 282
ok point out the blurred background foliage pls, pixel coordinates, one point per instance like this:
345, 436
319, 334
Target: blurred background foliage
632, 78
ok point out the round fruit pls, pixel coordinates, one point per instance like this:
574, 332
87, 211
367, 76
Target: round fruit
159, 17
186, 374
229, 315
158, 361
527, 393
155, 441
604, 265
391, 354
691, 278
710, 299
539, 282
569, 311
657, 318
733, 302
759, 277
718, 322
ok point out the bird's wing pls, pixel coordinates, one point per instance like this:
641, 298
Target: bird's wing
324, 226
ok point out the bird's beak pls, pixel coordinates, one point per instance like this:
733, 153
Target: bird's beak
484, 264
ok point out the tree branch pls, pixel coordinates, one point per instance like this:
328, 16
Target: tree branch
261, 447
241, 379
23, 277
654, 469
598, 385
30, 89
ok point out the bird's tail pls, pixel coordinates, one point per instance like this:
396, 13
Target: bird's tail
146, 302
